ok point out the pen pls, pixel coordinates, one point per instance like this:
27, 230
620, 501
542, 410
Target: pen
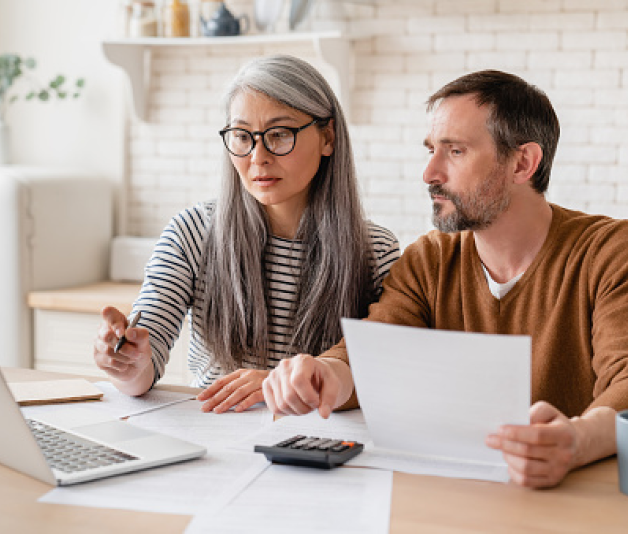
133, 324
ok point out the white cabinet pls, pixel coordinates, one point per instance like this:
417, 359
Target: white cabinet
57, 226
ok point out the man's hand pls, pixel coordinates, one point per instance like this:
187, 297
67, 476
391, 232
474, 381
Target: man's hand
131, 369
242, 389
540, 455
301, 384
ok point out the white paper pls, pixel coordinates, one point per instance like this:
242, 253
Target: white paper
214, 431
437, 394
120, 405
174, 489
424, 465
180, 488
347, 425
289, 499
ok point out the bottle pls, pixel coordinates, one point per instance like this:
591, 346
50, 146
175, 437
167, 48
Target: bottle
143, 22
123, 18
176, 19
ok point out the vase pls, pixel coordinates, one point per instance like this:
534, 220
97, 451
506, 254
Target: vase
267, 12
5, 145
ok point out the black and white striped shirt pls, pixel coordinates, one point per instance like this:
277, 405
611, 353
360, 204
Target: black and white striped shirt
170, 291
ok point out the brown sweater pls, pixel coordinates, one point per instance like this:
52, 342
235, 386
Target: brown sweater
572, 300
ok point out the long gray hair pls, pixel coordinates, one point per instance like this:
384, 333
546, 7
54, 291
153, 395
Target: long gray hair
335, 280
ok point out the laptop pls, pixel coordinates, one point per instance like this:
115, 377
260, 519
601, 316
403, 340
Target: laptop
76, 445
430, 397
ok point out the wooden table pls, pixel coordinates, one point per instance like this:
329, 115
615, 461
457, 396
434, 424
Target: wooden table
588, 502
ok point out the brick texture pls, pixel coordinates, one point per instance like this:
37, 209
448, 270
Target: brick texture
576, 50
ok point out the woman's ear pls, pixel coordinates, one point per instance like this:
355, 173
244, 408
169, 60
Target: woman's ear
329, 138
527, 161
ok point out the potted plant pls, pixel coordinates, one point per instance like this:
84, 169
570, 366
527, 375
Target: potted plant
13, 68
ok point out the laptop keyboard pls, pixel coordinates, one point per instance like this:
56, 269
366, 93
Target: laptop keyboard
70, 453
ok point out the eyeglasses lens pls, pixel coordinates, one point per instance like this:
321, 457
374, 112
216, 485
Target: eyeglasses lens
278, 141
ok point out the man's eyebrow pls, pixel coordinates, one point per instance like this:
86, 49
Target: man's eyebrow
443, 141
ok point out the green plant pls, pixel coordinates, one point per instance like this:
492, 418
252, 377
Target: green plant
14, 67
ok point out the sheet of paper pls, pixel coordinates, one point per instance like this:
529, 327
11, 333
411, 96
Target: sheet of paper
174, 489
120, 405
424, 465
288, 499
215, 431
437, 394
347, 425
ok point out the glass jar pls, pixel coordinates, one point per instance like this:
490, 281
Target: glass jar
176, 19
143, 20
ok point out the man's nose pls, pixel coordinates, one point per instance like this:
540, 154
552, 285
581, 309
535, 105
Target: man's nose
434, 172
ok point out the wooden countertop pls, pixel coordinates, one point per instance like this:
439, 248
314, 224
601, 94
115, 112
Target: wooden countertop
587, 501
87, 299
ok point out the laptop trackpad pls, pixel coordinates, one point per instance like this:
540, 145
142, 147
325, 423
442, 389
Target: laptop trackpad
112, 431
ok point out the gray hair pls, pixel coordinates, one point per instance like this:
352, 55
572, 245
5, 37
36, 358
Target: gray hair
336, 280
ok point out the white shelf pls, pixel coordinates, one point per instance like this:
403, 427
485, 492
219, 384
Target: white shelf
134, 57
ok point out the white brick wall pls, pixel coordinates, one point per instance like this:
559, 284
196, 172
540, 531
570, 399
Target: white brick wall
576, 50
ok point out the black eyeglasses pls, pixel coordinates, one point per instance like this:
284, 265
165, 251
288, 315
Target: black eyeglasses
278, 140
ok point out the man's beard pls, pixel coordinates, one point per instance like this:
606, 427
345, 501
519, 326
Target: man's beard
474, 211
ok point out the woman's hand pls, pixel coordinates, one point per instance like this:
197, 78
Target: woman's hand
131, 369
240, 389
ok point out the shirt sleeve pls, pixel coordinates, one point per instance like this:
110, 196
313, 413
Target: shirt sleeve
608, 278
386, 252
169, 282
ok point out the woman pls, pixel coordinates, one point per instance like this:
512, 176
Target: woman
269, 269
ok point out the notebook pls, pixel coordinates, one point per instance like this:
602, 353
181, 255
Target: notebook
79, 445
430, 397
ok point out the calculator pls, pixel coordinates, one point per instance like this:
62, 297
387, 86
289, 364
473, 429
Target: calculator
323, 453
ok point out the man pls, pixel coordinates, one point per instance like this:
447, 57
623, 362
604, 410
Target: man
504, 260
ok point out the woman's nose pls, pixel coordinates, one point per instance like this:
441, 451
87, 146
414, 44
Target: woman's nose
260, 154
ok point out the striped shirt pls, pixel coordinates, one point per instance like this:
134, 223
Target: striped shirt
170, 291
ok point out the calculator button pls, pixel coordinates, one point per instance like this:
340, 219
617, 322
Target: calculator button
290, 441
302, 443
327, 443
314, 444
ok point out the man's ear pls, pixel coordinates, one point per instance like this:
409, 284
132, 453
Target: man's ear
527, 160
329, 138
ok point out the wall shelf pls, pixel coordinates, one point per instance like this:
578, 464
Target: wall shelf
134, 57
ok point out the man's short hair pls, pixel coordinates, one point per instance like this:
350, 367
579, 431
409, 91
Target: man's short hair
519, 113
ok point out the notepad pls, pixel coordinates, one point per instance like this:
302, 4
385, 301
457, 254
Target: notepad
54, 391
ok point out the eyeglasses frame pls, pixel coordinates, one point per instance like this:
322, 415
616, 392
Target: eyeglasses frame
262, 134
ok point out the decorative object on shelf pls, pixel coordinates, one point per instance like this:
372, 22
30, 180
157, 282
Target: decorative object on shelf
123, 18
14, 67
176, 19
206, 9
299, 11
223, 23
267, 12
143, 20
